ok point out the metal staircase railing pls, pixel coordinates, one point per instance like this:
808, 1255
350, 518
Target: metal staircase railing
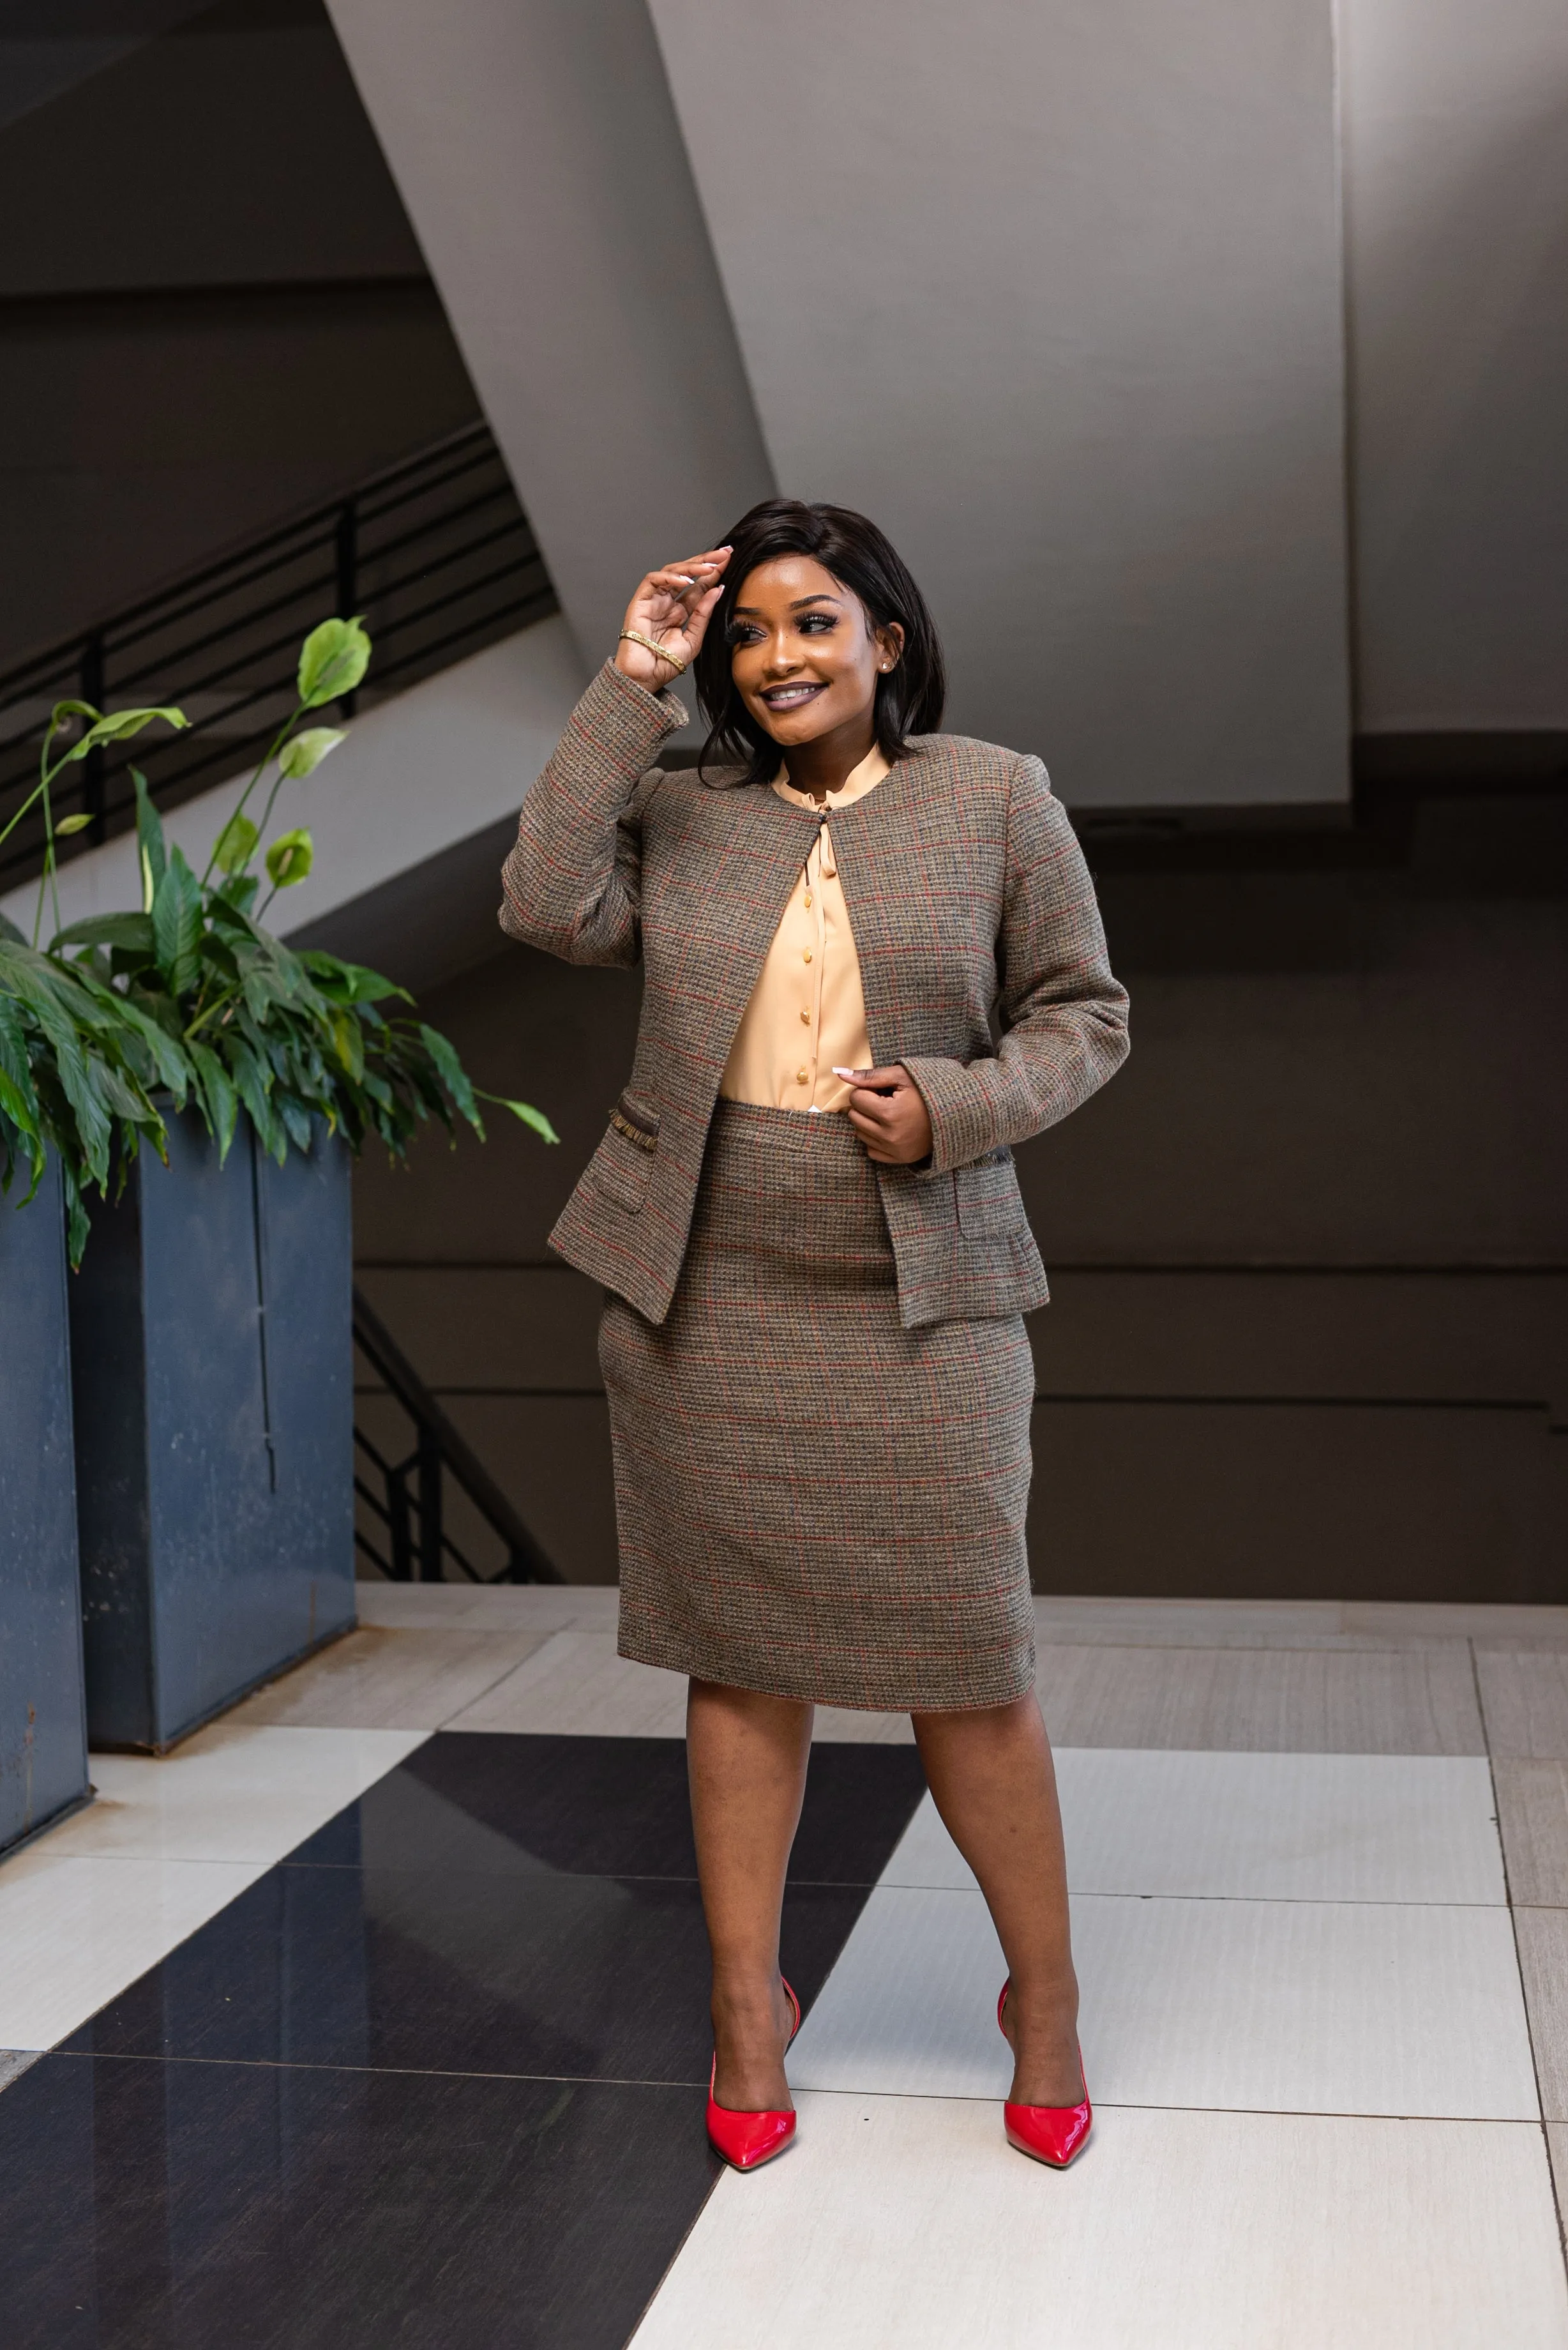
435, 552
410, 1509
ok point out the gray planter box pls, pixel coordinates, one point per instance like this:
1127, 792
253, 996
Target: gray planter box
212, 1370
42, 1740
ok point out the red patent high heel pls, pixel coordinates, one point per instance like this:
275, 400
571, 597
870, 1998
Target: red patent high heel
1051, 2133
748, 2140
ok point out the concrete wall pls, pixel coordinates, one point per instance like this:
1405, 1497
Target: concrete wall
1456, 164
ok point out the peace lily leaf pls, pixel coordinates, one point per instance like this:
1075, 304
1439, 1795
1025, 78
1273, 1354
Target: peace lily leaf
527, 1113
332, 661
177, 925
221, 1102
8, 931
68, 824
290, 857
348, 1037
119, 724
235, 844
303, 753
130, 930
454, 1076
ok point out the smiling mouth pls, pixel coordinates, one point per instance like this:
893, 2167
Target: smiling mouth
791, 697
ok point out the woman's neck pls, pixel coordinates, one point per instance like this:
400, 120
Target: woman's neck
826, 763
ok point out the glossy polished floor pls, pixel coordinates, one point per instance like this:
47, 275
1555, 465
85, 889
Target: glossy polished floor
376, 2013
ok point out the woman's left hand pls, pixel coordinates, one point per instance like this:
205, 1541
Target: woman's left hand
887, 1113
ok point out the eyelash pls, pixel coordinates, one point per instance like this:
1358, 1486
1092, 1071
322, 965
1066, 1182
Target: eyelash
742, 633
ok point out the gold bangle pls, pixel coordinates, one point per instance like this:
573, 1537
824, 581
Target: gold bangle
636, 637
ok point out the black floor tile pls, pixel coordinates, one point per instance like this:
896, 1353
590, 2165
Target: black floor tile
610, 1806
148, 2205
453, 1971
313, 2126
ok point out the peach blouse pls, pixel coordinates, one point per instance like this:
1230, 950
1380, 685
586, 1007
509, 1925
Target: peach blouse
807, 1014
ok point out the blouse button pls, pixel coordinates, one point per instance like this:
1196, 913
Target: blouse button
806, 956
806, 1019
801, 1077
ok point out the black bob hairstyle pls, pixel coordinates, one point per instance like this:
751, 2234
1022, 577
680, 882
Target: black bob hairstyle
909, 696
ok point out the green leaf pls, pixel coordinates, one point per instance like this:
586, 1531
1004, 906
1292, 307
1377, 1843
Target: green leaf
177, 925
252, 1082
527, 1113
76, 1216
149, 838
290, 857
350, 983
219, 1097
332, 661
303, 753
8, 931
349, 1043
132, 931
69, 824
168, 1057
119, 724
296, 1120
454, 1076
235, 844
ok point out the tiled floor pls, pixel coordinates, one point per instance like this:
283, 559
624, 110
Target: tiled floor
366, 2034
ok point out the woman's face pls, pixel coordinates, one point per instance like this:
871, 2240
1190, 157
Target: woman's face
803, 652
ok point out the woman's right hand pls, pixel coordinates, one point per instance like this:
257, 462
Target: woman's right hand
672, 606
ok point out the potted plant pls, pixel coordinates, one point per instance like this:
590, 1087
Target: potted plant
209, 1320
66, 1078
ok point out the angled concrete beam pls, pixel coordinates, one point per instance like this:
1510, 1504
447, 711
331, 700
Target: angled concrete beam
537, 150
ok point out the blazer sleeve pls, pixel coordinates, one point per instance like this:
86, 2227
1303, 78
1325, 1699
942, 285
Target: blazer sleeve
1063, 1018
573, 884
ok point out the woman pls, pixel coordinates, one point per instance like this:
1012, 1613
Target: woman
806, 1210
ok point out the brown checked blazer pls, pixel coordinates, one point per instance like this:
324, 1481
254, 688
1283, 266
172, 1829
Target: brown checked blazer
970, 900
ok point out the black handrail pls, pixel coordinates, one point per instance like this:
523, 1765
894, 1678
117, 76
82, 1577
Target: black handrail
435, 552
410, 1506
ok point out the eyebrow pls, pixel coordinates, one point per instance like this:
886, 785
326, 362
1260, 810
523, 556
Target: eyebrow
799, 605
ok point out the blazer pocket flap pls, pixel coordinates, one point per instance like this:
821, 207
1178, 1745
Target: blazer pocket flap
989, 1202
637, 1122
622, 1165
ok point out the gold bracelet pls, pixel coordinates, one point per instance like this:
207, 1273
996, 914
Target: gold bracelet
636, 637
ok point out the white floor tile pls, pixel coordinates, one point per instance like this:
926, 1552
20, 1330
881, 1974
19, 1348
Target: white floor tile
899, 2224
234, 1791
502, 1607
843, 1725
392, 1678
75, 1933
577, 1684
1297, 2006
1291, 1827
13, 2062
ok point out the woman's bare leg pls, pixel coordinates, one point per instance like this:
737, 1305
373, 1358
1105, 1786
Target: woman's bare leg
746, 1758
991, 1776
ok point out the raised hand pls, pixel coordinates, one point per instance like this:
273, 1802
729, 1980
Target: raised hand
887, 1113
671, 610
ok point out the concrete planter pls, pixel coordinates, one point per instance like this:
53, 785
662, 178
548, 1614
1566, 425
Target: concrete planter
212, 1364
43, 1743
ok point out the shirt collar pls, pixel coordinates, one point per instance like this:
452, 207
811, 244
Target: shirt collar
856, 784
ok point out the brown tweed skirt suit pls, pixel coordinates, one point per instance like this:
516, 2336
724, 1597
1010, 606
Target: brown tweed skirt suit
818, 1375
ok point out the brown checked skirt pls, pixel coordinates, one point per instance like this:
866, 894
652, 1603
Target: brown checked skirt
813, 1501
